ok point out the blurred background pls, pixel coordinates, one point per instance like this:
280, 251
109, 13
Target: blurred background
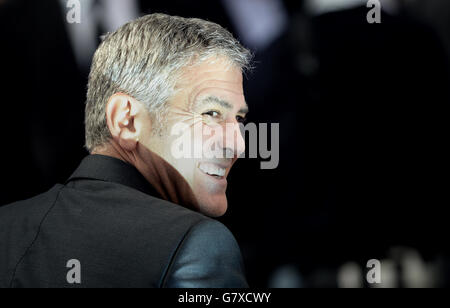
362, 108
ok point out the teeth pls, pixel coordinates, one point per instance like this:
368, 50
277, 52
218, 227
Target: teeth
212, 169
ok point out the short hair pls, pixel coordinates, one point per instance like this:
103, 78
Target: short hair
144, 59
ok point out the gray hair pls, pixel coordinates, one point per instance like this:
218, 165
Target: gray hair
144, 59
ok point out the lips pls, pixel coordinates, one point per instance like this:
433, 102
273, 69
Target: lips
212, 169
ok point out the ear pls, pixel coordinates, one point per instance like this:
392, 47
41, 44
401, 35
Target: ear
123, 117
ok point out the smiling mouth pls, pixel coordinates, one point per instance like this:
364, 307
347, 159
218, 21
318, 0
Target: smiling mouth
213, 170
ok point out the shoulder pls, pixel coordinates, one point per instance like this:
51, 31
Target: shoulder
117, 203
19, 225
33, 208
210, 235
208, 256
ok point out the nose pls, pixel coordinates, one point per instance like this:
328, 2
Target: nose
233, 140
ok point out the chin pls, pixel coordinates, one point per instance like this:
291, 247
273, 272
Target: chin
212, 206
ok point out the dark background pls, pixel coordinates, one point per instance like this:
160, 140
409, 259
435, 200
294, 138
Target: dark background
362, 108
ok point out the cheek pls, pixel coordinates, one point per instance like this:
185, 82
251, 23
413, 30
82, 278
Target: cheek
185, 165
197, 135
211, 140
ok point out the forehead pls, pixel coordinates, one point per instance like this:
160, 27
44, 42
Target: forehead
218, 69
217, 78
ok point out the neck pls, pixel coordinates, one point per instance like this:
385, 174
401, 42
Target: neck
114, 150
164, 178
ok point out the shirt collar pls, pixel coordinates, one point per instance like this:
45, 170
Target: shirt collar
110, 169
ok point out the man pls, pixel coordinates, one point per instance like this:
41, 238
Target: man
135, 213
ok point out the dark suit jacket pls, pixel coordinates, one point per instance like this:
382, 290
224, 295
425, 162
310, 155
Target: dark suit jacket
107, 217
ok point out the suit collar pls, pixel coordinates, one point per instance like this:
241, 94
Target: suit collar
110, 169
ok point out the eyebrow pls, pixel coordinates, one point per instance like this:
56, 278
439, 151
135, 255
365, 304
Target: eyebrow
223, 103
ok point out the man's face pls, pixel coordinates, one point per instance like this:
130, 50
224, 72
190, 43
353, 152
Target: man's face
207, 109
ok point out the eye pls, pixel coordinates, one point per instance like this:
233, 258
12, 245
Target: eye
241, 119
212, 113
